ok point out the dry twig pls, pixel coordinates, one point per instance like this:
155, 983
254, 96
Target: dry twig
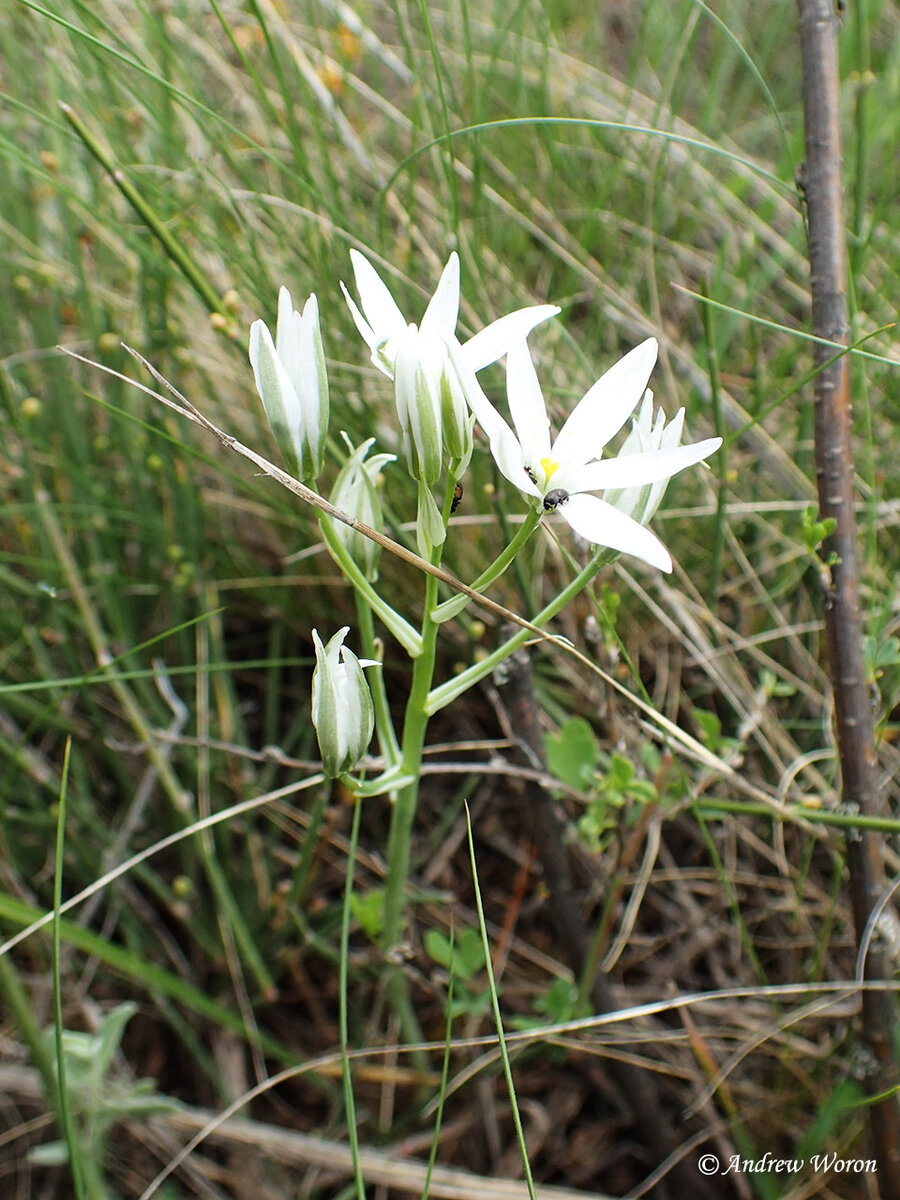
840, 573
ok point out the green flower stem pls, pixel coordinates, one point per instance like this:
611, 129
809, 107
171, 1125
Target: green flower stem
408, 638
447, 692
70, 1134
413, 741
384, 726
454, 606
343, 992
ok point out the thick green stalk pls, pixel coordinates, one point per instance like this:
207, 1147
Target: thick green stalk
447, 692
70, 1134
412, 744
454, 606
384, 726
346, 1075
399, 627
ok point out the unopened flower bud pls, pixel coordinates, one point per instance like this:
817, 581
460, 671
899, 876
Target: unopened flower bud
292, 382
647, 436
417, 393
356, 493
342, 710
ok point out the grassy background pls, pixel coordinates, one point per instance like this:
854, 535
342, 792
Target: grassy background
160, 597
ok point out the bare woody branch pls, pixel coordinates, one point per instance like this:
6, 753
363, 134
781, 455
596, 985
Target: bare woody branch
823, 188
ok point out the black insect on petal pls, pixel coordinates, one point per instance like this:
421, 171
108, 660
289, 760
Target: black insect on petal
553, 499
531, 475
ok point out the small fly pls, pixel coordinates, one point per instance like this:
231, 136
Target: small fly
457, 498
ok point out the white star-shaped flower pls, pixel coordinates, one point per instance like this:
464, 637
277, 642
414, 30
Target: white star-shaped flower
561, 475
430, 396
383, 326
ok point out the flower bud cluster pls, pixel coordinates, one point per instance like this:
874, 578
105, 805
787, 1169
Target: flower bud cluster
430, 393
438, 399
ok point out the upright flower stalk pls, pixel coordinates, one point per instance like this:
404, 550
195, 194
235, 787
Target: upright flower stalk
606, 499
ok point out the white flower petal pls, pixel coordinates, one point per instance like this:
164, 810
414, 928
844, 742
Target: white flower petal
643, 435
526, 406
670, 435
508, 456
443, 307
635, 470
494, 340
376, 464
418, 400
283, 326
379, 306
276, 391
289, 342
503, 442
600, 523
294, 346
644, 418
365, 329
335, 644
606, 406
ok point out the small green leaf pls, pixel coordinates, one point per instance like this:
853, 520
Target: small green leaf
559, 1001
368, 910
573, 754
815, 531
710, 726
773, 686
463, 957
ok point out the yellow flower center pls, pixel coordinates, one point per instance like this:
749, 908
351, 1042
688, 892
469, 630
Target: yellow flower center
548, 466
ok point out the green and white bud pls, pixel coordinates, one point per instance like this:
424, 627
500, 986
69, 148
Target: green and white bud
292, 382
356, 492
647, 436
456, 419
417, 394
342, 710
